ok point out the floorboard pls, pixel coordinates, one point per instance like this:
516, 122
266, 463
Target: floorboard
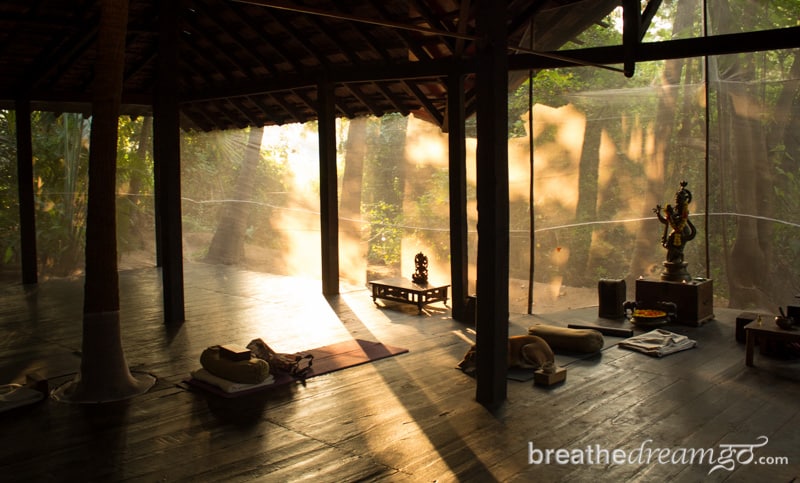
411, 417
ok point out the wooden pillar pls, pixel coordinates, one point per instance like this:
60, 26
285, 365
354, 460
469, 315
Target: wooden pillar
492, 193
27, 212
631, 25
166, 156
101, 278
329, 207
459, 260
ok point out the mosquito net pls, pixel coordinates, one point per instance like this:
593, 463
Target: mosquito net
606, 151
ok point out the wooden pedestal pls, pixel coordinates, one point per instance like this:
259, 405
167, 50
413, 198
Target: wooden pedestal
405, 291
541, 378
695, 299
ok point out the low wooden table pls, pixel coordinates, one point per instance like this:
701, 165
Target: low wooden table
766, 331
405, 291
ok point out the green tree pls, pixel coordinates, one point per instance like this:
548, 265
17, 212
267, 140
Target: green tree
228, 243
384, 184
9, 204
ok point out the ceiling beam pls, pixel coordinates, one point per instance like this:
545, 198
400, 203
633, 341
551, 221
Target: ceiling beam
290, 109
438, 24
384, 54
631, 28
647, 16
293, 7
776, 39
363, 98
437, 115
413, 45
646, 51
242, 44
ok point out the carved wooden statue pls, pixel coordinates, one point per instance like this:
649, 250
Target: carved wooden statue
421, 273
678, 230
677, 218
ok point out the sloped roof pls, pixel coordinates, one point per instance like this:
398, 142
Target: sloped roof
259, 62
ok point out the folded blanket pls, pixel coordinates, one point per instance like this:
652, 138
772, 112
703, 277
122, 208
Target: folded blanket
658, 343
225, 384
15, 395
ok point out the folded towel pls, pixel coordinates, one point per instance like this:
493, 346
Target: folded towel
15, 395
225, 384
658, 343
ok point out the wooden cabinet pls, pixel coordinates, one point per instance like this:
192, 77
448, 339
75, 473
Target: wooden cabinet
695, 299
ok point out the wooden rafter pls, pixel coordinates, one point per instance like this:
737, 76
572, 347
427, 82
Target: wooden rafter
380, 55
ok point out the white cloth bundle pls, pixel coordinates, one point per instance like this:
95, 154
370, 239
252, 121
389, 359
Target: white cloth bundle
658, 343
225, 384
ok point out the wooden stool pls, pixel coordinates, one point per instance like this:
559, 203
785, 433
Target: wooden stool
767, 331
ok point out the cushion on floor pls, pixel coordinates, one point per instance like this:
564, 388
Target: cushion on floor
583, 341
251, 371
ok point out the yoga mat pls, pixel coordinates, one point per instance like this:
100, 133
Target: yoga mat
350, 353
327, 359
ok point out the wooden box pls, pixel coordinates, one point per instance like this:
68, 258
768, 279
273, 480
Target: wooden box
233, 352
541, 378
695, 299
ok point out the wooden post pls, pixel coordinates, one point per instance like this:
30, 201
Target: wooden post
329, 207
166, 156
104, 374
27, 212
459, 260
492, 193
631, 25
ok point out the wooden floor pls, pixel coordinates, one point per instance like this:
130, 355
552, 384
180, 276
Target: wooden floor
411, 417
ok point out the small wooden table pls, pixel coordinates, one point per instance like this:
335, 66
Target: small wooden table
405, 291
766, 331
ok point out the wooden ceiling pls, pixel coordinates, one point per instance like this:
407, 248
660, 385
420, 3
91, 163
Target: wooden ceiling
255, 63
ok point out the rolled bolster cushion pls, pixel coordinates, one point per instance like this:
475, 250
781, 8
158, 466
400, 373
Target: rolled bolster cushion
251, 371
584, 341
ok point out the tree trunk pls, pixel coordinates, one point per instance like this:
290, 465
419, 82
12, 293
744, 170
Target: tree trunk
743, 139
386, 182
350, 210
576, 272
227, 246
783, 142
104, 374
71, 257
139, 166
784, 130
645, 261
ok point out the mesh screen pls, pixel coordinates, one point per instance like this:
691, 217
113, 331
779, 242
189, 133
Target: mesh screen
607, 150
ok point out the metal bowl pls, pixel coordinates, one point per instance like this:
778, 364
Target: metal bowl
649, 317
